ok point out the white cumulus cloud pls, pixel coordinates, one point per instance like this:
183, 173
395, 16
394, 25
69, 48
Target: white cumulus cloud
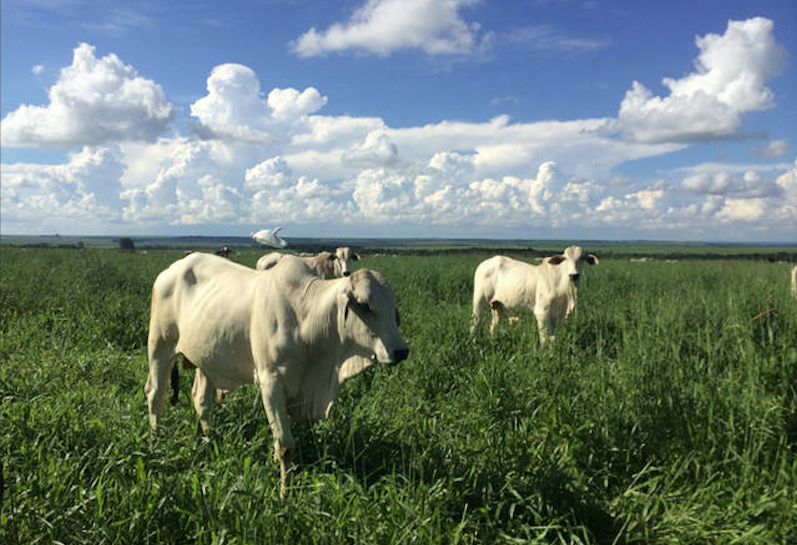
742, 210
173, 193
377, 149
288, 105
382, 27
774, 149
234, 107
730, 77
87, 187
749, 185
94, 101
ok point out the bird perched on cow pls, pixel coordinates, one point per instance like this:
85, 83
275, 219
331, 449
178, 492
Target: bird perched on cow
269, 237
549, 289
295, 336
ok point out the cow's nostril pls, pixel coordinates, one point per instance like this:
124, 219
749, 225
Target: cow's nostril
574, 276
401, 354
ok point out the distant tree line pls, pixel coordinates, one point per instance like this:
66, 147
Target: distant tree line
126, 244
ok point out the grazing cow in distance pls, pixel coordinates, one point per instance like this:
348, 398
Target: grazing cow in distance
794, 281
295, 336
548, 290
224, 251
325, 264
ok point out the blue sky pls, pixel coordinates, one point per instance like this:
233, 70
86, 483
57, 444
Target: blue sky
407, 118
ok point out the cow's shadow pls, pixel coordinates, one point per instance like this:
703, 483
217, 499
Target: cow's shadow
368, 457
365, 454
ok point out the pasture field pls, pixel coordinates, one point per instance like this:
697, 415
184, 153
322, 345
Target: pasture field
666, 413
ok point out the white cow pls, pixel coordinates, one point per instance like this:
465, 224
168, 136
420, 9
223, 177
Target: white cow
548, 290
794, 281
295, 336
326, 264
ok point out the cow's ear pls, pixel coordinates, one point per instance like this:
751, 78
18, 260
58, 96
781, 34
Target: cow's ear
592, 259
555, 260
355, 257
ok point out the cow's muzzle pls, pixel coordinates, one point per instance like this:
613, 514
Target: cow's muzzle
574, 278
346, 273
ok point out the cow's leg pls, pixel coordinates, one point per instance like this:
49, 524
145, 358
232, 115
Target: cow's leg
161, 359
545, 322
498, 310
571, 304
478, 300
273, 395
203, 393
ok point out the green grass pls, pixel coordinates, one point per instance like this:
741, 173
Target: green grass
666, 413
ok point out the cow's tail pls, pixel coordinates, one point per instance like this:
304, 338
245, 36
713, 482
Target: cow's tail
175, 384
176, 377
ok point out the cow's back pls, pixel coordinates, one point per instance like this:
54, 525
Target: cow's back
513, 282
200, 276
204, 303
485, 278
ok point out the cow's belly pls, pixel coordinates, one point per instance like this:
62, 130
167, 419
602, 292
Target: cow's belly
515, 299
222, 378
226, 361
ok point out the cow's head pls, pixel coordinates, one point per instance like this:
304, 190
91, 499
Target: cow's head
342, 257
370, 319
571, 262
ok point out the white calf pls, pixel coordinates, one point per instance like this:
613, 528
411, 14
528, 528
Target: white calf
548, 290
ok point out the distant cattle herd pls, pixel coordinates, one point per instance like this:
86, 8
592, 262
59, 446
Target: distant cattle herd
299, 327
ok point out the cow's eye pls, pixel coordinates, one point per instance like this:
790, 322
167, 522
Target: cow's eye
366, 307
